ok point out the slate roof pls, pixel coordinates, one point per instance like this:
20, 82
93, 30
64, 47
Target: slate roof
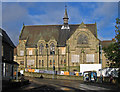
36, 32
6, 38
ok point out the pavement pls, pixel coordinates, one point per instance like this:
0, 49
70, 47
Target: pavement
8, 85
57, 85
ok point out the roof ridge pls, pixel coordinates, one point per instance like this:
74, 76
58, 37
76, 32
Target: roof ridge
59, 24
43, 25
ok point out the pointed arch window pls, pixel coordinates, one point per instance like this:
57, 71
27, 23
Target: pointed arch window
41, 48
82, 39
52, 49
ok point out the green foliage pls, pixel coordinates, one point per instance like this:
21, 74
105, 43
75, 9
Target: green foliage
117, 40
112, 52
117, 30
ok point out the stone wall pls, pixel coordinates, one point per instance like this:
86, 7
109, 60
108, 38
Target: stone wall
68, 77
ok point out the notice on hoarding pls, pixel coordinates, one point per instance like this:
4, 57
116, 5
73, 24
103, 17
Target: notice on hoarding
89, 57
75, 58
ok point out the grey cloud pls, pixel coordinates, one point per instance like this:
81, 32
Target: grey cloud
13, 17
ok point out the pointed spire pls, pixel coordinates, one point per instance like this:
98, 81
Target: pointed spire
65, 16
82, 23
65, 25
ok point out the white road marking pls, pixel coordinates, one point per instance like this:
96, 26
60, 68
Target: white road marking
90, 87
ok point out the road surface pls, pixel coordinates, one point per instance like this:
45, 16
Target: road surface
55, 85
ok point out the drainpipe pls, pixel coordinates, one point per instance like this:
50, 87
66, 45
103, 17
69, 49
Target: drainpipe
100, 56
68, 59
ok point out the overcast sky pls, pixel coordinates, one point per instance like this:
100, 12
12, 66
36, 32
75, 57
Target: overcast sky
44, 13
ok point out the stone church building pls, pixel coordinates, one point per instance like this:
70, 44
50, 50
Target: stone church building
59, 47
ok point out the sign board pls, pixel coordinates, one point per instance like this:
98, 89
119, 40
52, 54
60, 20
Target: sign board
31, 70
30, 62
63, 50
30, 52
74, 58
66, 73
21, 52
37, 70
62, 73
89, 57
90, 67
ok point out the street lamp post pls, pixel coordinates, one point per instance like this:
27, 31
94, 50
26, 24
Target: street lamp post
53, 65
100, 53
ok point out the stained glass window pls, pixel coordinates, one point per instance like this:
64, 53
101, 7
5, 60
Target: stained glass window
52, 49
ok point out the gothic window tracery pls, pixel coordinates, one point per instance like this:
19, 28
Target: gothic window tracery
52, 49
82, 39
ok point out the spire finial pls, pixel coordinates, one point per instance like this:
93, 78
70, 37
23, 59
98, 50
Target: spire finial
65, 15
65, 6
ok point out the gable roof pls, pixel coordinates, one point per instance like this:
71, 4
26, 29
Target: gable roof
33, 33
6, 38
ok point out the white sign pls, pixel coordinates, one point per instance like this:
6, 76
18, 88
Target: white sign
74, 58
30, 62
62, 73
90, 67
21, 52
89, 57
37, 70
30, 52
63, 50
